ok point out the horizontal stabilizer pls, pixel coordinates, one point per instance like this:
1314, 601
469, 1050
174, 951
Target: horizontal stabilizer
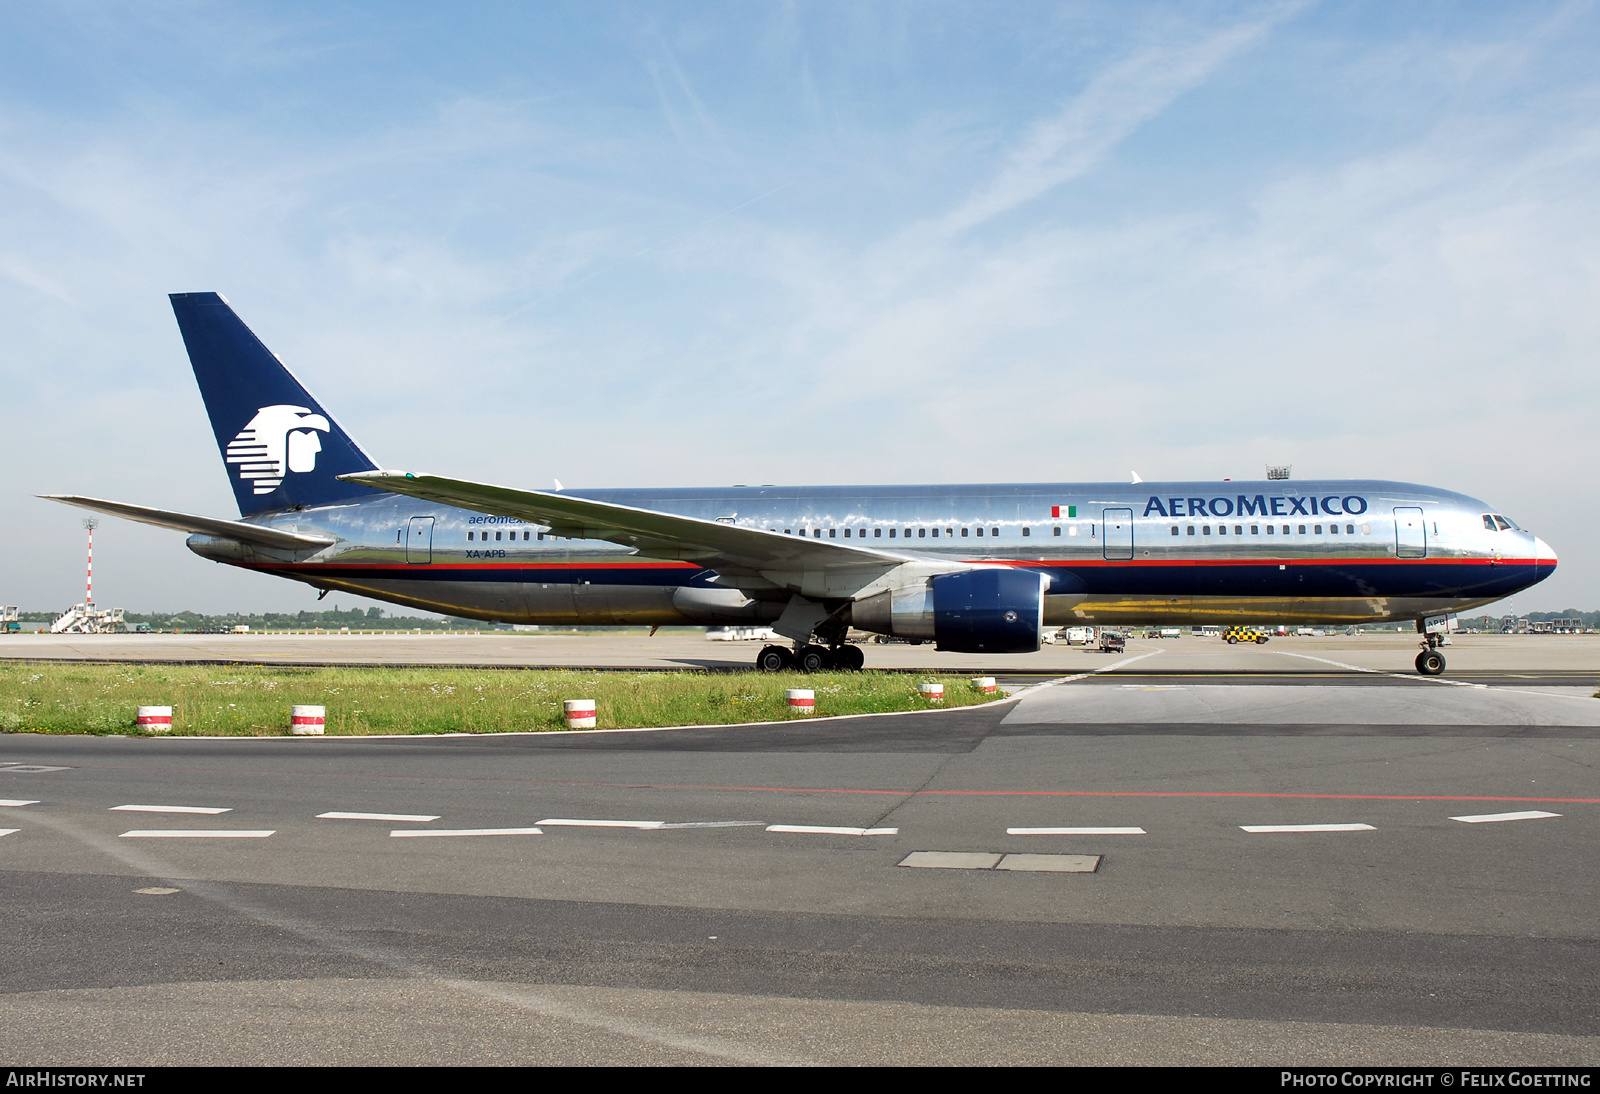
210, 526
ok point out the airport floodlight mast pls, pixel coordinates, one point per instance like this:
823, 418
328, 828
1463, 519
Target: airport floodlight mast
90, 523
1280, 471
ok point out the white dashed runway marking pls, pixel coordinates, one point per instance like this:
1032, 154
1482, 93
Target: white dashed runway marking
992, 860
15, 803
207, 811
399, 833
8, 831
198, 833
1490, 818
560, 822
1272, 828
829, 830
1076, 832
392, 817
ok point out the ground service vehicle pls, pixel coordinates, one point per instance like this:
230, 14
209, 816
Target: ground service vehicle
1235, 635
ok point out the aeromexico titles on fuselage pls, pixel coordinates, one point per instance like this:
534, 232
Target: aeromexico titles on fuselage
977, 568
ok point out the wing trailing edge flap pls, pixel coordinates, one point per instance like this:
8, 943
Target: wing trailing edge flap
240, 530
744, 558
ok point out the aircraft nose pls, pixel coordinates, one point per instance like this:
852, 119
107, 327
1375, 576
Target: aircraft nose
1543, 553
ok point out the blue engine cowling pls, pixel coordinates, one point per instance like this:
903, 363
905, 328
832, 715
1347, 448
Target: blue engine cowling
989, 611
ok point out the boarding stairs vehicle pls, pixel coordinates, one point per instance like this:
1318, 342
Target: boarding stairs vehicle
87, 619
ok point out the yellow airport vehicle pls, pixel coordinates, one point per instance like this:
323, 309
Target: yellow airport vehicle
1244, 634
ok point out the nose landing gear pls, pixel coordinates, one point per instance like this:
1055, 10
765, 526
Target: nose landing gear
1430, 662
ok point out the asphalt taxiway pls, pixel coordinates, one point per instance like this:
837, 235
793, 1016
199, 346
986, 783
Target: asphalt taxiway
1189, 853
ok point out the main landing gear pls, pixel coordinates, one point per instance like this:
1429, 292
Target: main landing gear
1430, 662
811, 657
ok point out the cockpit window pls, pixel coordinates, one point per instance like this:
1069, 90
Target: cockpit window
1505, 525
1488, 522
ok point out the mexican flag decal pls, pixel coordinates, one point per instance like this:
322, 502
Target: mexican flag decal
1071, 511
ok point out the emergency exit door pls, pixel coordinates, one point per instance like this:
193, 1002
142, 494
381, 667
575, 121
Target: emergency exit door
1117, 535
419, 540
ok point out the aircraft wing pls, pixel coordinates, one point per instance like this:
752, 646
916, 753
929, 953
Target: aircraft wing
210, 526
747, 557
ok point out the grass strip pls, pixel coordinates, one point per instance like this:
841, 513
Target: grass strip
254, 700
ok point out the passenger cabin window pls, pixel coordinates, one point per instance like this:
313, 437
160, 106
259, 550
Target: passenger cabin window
1238, 529
469, 534
877, 533
1205, 529
1222, 529
1333, 529
963, 531
1302, 529
1349, 529
1270, 528
1191, 529
497, 537
816, 533
1254, 530
831, 535
1027, 531
847, 533
1174, 529
1317, 529
980, 531
891, 533
950, 532
994, 531
922, 533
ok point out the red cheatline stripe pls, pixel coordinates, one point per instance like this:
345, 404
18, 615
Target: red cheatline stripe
1264, 560
1101, 793
355, 568
403, 568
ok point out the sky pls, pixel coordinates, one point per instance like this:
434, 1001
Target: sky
631, 244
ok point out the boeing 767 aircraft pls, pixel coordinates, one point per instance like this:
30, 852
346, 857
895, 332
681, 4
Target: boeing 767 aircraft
973, 568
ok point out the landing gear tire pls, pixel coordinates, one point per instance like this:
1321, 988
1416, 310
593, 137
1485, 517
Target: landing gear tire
813, 658
1430, 662
774, 659
849, 658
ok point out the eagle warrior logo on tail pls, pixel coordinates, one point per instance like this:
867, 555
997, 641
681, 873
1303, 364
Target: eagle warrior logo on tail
279, 439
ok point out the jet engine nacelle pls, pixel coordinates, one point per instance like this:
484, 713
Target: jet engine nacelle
974, 611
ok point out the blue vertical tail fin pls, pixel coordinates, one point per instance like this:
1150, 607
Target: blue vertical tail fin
281, 448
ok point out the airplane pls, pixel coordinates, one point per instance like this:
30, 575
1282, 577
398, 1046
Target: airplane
971, 568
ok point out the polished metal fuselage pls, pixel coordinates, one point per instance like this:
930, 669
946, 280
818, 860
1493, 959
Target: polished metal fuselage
1116, 553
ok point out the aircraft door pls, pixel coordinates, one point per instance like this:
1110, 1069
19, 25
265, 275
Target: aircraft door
419, 540
1117, 535
1410, 533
